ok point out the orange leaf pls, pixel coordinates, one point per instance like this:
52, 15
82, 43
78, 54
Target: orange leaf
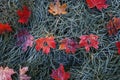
57, 9
116, 22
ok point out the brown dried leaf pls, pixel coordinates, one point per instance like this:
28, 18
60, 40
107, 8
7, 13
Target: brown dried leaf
113, 26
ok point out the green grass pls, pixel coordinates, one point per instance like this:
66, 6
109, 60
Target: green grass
101, 64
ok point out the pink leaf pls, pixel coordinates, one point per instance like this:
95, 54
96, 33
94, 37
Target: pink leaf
24, 39
5, 73
23, 75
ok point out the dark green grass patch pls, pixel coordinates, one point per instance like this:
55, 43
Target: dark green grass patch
101, 64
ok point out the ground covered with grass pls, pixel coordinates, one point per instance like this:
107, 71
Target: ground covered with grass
100, 64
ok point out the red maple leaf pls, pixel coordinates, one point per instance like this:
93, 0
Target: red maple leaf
100, 4
24, 15
22, 75
118, 46
45, 44
5, 73
88, 41
68, 45
60, 74
113, 26
5, 28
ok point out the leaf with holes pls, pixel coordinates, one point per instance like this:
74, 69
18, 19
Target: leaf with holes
45, 44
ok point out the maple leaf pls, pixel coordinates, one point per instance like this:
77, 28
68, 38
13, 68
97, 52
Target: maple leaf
88, 41
24, 39
24, 15
45, 44
68, 45
100, 4
60, 74
113, 26
118, 46
5, 73
57, 9
5, 28
23, 75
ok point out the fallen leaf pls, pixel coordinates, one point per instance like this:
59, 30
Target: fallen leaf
5, 73
5, 28
68, 45
118, 46
23, 75
60, 74
100, 4
88, 41
57, 9
24, 15
24, 39
113, 26
45, 44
